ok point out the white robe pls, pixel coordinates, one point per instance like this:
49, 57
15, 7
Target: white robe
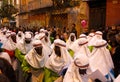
57, 64
100, 59
35, 60
9, 45
5, 56
83, 49
72, 75
69, 42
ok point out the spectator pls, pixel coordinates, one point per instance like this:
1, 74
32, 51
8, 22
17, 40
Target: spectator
73, 30
57, 62
7, 69
116, 56
35, 60
3, 78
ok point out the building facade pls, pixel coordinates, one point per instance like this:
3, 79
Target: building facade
48, 12
112, 13
97, 13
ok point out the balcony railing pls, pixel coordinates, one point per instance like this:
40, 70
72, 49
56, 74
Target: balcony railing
36, 4
65, 3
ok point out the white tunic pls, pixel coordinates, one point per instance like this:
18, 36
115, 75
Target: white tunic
5, 56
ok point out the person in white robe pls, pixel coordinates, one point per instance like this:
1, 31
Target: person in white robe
5, 56
77, 71
9, 43
100, 59
36, 36
43, 38
28, 41
60, 58
70, 41
3, 37
59, 62
81, 45
90, 35
47, 33
97, 36
10, 47
20, 36
21, 42
75, 45
19, 54
36, 58
24, 45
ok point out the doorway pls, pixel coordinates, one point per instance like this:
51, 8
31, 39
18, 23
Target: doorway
97, 14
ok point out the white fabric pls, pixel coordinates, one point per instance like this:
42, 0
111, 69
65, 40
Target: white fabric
56, 63
97, 36
5, 56
81, 45
81, 59
58, 41
89, 37
21, 46
98, 33
28, 34
36, 42
82, 36
36, 37
42, 30
21, 42
117, 79
69, 42
49, 42
28, 47
4, 30
42, 37
9, 44
24, 47
3, 38
8, 33
36, 60
100, 58
20, 38
72, 75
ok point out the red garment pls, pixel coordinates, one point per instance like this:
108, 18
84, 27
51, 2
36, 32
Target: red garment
11, 53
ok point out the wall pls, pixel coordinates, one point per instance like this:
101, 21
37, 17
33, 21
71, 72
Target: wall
112, 12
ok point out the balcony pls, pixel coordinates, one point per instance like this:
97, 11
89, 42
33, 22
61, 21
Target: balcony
37, 4
66, 3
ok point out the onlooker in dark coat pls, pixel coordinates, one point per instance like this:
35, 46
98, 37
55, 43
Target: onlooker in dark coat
7, 69
116, 56
3, 78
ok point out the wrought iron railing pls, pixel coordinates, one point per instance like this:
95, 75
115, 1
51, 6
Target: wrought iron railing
65, 3
36, 4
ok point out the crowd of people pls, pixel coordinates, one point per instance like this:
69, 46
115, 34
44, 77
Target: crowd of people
54, 55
